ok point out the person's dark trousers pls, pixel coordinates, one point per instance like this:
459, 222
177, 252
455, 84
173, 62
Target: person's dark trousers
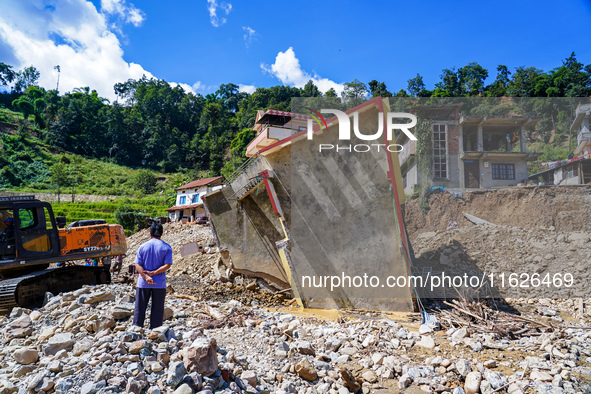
142, 296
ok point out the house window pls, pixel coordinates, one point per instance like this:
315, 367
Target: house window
439, 151
182, 200
503, 171
195, 198
570, 172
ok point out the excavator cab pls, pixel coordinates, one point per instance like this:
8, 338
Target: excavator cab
29, 233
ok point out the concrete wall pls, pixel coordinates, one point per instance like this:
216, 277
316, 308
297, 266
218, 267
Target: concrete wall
343, 222
248, 230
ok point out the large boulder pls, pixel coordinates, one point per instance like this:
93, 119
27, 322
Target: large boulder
122, 311
19, 328
26, 356
201, 356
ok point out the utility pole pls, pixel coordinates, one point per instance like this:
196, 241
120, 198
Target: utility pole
58, 68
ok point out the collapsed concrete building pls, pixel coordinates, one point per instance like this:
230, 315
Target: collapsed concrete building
299, 217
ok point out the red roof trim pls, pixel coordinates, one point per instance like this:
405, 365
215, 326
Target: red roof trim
199, 182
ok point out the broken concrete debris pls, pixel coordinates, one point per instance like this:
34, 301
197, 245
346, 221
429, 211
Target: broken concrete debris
75, 347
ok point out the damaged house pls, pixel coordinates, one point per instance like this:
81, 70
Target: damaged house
296, 216
469, 151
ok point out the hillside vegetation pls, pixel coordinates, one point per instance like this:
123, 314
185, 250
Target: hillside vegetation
158, 126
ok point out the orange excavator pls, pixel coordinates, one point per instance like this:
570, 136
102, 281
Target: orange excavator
32, 239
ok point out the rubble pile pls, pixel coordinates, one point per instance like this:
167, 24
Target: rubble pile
203, 275
83, 342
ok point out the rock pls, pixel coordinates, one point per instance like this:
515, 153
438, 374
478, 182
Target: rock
369, 376
104, 324
46, 385
184, 389
426, 341
459, 334
46, 333
81, 347
425, 329
99, 296
201, 356
306, 370
541, 376
168, 313
350, 381
176, 373
122, 311
463, 367
557, 381
578, 237
62, 341
23, 370
496, 379
476, 346
303, 347
250, 377
490, 364
54, 366
26, 356
102, 374
472, 384
133, 386
458, 390
18, 328
404, 381
377, 358
136, 346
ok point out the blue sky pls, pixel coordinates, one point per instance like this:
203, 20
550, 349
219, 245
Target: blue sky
204, 43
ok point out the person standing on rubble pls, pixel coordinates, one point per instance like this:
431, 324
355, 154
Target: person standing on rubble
153, 259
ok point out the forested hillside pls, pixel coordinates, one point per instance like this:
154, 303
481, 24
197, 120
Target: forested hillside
155, 125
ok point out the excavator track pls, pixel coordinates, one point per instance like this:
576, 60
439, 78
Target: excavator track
29, 290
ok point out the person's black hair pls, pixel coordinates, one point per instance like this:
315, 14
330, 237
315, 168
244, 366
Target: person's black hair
156, 230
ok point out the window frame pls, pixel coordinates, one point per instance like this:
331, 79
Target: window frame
182, 200
440, 159
503, 169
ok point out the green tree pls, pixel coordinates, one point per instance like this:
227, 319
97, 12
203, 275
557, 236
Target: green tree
7, 74
25, 78
378, 89
355, 92
499, 87
59, 177
416, 85
331, 93
145, 181
311, 90
471, 78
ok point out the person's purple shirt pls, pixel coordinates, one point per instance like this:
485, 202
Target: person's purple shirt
152, 255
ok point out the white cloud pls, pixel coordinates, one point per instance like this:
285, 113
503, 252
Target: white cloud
213, 6
73, 35
126, 12
249, 35
288, 70
247, 88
